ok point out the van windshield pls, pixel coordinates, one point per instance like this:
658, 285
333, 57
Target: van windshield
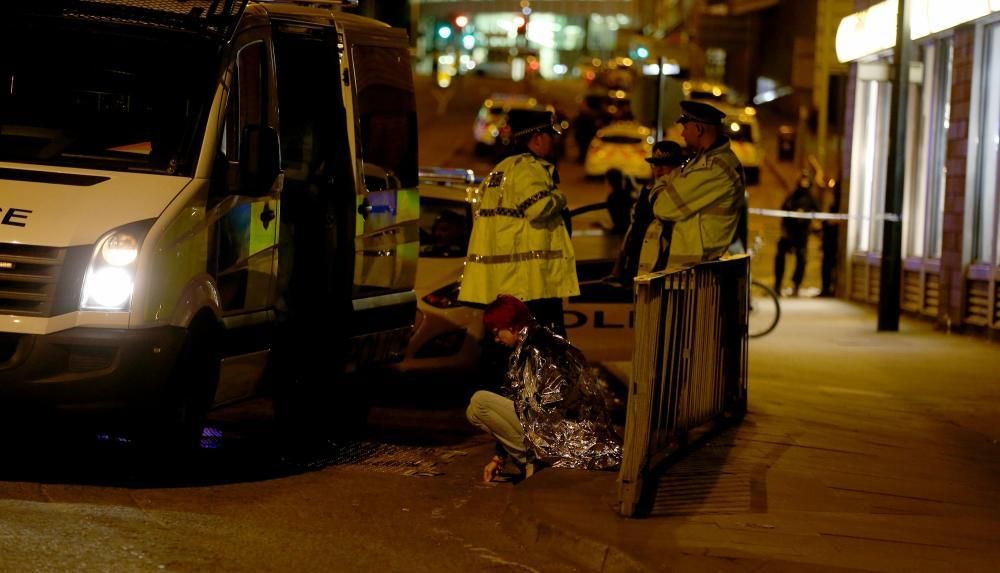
84, 95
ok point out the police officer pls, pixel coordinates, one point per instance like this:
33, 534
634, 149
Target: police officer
520, 244
705, 199
666, 157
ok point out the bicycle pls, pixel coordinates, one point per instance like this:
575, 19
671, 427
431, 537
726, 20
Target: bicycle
765, 308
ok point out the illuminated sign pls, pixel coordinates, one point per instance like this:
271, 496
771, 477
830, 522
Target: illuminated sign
874, 30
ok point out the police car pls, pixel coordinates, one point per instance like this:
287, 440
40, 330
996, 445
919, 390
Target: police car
447, 332
491, 120
708, 91
623, 145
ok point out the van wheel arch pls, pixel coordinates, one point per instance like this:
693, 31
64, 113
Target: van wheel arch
187, 396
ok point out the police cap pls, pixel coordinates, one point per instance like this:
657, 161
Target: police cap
525, 123
700, 112
667, 153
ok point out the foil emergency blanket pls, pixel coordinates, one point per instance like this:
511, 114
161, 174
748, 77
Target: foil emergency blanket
561, 404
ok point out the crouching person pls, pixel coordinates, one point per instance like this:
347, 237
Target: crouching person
555, 413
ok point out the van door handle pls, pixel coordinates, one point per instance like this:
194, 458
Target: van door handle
365, 208
267, 215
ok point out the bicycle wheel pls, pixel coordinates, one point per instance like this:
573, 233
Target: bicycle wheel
765, 310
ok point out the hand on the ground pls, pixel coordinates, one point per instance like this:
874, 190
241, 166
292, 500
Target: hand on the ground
493, 469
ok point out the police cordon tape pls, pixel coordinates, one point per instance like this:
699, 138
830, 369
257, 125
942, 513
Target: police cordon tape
894, 217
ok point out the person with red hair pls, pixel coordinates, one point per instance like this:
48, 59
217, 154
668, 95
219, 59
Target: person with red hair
556, 413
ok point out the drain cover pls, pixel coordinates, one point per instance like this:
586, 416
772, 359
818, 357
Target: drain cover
391, 458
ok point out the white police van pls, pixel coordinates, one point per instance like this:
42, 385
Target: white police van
194, 193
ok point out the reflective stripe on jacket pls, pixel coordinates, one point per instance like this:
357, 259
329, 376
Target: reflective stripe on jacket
519, 243
704, 199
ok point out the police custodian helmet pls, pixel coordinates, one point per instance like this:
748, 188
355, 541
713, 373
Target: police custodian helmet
525, 123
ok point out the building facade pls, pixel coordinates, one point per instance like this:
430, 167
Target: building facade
495, 37
951, 248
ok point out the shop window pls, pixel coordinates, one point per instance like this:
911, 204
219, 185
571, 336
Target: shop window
926, 202
868, 169
985, 246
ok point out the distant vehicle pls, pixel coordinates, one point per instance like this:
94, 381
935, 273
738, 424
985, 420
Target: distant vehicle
744, 136
491, 121
709, 91
615, 73
495, 64
609, 106
508, 63
599, 108
623, 145
447, 333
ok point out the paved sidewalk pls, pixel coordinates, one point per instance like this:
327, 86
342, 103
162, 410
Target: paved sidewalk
861, 452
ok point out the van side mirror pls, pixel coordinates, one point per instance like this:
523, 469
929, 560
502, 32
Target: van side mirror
259, 160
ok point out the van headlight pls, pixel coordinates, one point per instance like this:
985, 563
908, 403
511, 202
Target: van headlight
110, 278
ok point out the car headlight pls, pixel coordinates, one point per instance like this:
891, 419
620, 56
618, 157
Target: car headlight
110, 278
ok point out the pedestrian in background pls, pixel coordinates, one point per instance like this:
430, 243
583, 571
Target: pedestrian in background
705, 199
795, 233
585, 126
619, 200
555, 410
667, 156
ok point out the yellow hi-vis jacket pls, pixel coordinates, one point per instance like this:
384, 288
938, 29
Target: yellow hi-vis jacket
705, 199
519, 244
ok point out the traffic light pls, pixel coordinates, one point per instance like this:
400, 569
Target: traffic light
444, 31
461, 21
521, 22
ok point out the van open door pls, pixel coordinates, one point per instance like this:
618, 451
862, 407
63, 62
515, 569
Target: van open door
378, 84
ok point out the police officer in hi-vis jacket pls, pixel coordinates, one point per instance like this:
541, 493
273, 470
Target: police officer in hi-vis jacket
520, 244
705, 199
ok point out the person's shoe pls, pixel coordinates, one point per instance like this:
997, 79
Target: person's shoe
521, 472
795, 291
529, 470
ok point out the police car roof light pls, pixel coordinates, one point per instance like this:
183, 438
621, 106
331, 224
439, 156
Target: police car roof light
446, 176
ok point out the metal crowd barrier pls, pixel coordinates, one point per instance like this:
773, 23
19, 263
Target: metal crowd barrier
689, 364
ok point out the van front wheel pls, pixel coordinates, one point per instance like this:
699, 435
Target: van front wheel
316, 402
178, 421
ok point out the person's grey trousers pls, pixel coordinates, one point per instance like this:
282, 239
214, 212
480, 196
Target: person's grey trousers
495, 415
